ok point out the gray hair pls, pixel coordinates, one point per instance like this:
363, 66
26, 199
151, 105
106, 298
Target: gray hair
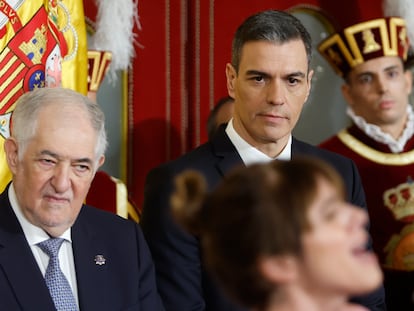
272, 26
24, 116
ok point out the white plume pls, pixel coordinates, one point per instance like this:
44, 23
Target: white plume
114, 27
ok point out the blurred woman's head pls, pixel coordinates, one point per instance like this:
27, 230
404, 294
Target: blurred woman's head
280, 224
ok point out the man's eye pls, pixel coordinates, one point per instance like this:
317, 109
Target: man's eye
365, 79
259, 78
293, 81
82, 168
393, 73
47, 161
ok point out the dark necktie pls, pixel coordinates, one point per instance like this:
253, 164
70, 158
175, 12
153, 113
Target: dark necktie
56, 281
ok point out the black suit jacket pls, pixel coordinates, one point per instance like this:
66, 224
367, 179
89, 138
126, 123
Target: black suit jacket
125, 282
182, 281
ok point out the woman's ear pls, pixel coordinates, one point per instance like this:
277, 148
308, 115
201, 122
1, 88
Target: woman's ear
279, 269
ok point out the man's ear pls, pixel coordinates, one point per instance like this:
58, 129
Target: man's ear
279, 269
409, 80
231, 76
310, 75
11, 149
101, 161
345, 89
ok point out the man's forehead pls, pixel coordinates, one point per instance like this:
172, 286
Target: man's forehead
255, 44
378, 64
261, 55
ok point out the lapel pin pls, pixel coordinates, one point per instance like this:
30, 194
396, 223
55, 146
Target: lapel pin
100, 260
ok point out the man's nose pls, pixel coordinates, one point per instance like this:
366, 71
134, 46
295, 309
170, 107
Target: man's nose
276, 93
61, 178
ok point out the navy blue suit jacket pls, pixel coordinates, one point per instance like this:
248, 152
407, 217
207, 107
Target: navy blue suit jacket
182, 281
125, 282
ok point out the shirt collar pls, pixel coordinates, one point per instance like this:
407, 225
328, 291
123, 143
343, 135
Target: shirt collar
250, 154
375, 132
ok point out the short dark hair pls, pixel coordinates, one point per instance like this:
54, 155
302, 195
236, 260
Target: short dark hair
273, 26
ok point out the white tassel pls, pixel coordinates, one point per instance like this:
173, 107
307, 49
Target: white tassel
115, 23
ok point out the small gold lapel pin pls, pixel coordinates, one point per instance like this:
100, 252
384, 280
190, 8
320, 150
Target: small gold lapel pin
100, 260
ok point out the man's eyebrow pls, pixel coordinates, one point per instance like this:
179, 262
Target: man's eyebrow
84, 160
49, 153
257, 73
56, 156
368, 72
364, 73
264, 74
297, 74
393, 67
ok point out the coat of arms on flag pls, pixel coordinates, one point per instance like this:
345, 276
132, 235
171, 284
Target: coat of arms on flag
42, 43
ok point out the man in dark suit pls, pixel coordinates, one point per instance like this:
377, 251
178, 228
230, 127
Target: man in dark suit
58, 142
270, 79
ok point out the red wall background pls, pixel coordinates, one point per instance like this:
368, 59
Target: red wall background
178, 72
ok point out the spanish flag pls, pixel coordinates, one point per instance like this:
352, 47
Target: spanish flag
42, 43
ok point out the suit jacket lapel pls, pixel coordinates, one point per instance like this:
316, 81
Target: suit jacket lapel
300, 148
92, 277
18, 263
224, 149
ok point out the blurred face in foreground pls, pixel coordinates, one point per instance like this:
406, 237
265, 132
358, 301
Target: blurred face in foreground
335, 259
53, 176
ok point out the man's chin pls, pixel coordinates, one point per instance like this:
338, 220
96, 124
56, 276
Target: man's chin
55, 226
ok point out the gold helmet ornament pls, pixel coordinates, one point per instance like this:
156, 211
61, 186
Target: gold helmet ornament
364, 41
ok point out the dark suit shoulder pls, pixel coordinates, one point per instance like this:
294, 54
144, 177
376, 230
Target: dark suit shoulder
302, 148
198, 157
343, 165
102, 221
